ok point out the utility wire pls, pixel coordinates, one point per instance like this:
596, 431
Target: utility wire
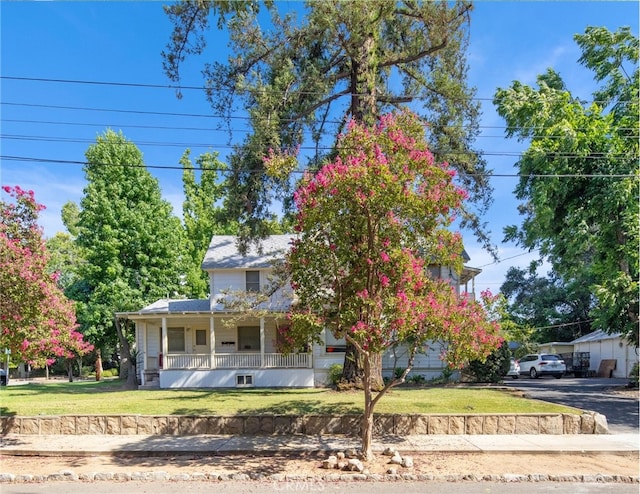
515, 154
297, 172
199, 88
237, 117
209, 129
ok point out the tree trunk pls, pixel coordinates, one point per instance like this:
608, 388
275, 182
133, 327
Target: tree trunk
132, 379
98, 365
367, 416
353, 370
70, 370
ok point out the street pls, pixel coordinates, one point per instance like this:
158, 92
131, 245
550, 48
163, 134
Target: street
586, 394
230, 487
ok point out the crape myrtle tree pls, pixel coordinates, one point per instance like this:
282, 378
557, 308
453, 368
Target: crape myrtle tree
579, 178
37, 322
131, 243
370, 222
300, 76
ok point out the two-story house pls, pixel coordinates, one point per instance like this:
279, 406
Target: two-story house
212, 343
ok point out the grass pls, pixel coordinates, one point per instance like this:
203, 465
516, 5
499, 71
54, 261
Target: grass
107, 397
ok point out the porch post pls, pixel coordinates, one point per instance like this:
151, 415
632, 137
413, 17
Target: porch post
262, 342
165, 342
212, 342
141, 346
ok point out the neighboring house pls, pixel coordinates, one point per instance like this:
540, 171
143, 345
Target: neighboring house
209, 344
604, 346
556, 347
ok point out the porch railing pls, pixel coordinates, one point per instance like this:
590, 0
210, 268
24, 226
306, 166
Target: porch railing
236, 361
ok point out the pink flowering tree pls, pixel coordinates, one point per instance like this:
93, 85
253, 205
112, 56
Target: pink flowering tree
370, 224
37, 322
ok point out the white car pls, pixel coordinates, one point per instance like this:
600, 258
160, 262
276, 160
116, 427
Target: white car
514, 369
542, 364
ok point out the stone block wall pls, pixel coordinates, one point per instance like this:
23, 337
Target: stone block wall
401, 425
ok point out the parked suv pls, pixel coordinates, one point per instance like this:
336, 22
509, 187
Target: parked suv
542, 364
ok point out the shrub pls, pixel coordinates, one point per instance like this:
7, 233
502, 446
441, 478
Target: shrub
494, 368
417, 379
335, 374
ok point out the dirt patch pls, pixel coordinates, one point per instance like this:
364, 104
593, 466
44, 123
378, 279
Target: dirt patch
432, 463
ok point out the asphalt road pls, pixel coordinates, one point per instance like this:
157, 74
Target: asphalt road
587, 394
337, 487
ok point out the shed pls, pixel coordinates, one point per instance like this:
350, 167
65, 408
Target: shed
603, 347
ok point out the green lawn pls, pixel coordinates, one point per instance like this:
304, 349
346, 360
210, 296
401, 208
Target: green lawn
106, 397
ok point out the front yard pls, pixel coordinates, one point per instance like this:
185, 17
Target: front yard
106, 398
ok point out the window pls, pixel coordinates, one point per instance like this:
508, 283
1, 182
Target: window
245, 380
252, 280
201, 337
333, 344
249, 338
175, 340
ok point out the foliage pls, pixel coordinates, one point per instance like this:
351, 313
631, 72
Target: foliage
579, 177
558, 310
131, 240
37, 322
203, 216
335, 374
301, 75
494, 368
370, 222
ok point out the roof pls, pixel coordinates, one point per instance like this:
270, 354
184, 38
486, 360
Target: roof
166, 306
223, 252
597, 336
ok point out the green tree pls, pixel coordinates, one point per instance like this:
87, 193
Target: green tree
131, 240
301, 80
203, 216
369, 224
559, 311
580, 177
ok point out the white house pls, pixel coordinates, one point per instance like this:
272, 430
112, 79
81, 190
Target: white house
604, 346
207, 344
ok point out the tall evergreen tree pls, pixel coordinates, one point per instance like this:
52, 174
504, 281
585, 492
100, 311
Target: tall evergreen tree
130, 238
302, 79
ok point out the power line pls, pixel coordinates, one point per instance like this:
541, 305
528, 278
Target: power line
298, 172
201, 88
238, 117
515, 154
209, 129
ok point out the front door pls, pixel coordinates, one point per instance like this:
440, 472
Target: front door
200, 344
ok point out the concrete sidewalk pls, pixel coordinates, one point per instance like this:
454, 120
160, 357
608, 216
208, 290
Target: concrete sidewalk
165, 445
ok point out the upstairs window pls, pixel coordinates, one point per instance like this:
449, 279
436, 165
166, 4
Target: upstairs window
252, 280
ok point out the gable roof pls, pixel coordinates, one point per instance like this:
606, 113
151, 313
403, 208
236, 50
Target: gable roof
223, 252
598, 335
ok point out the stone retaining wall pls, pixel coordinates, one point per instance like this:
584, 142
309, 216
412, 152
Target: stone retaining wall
587, 423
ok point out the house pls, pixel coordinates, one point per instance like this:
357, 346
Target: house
212, 343
556, 347
608, 347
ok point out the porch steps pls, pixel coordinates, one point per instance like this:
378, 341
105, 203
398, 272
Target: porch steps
151, 380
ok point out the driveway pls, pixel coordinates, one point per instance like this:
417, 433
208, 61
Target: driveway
593, 394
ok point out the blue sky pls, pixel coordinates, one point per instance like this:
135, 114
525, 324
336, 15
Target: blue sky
122, 41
